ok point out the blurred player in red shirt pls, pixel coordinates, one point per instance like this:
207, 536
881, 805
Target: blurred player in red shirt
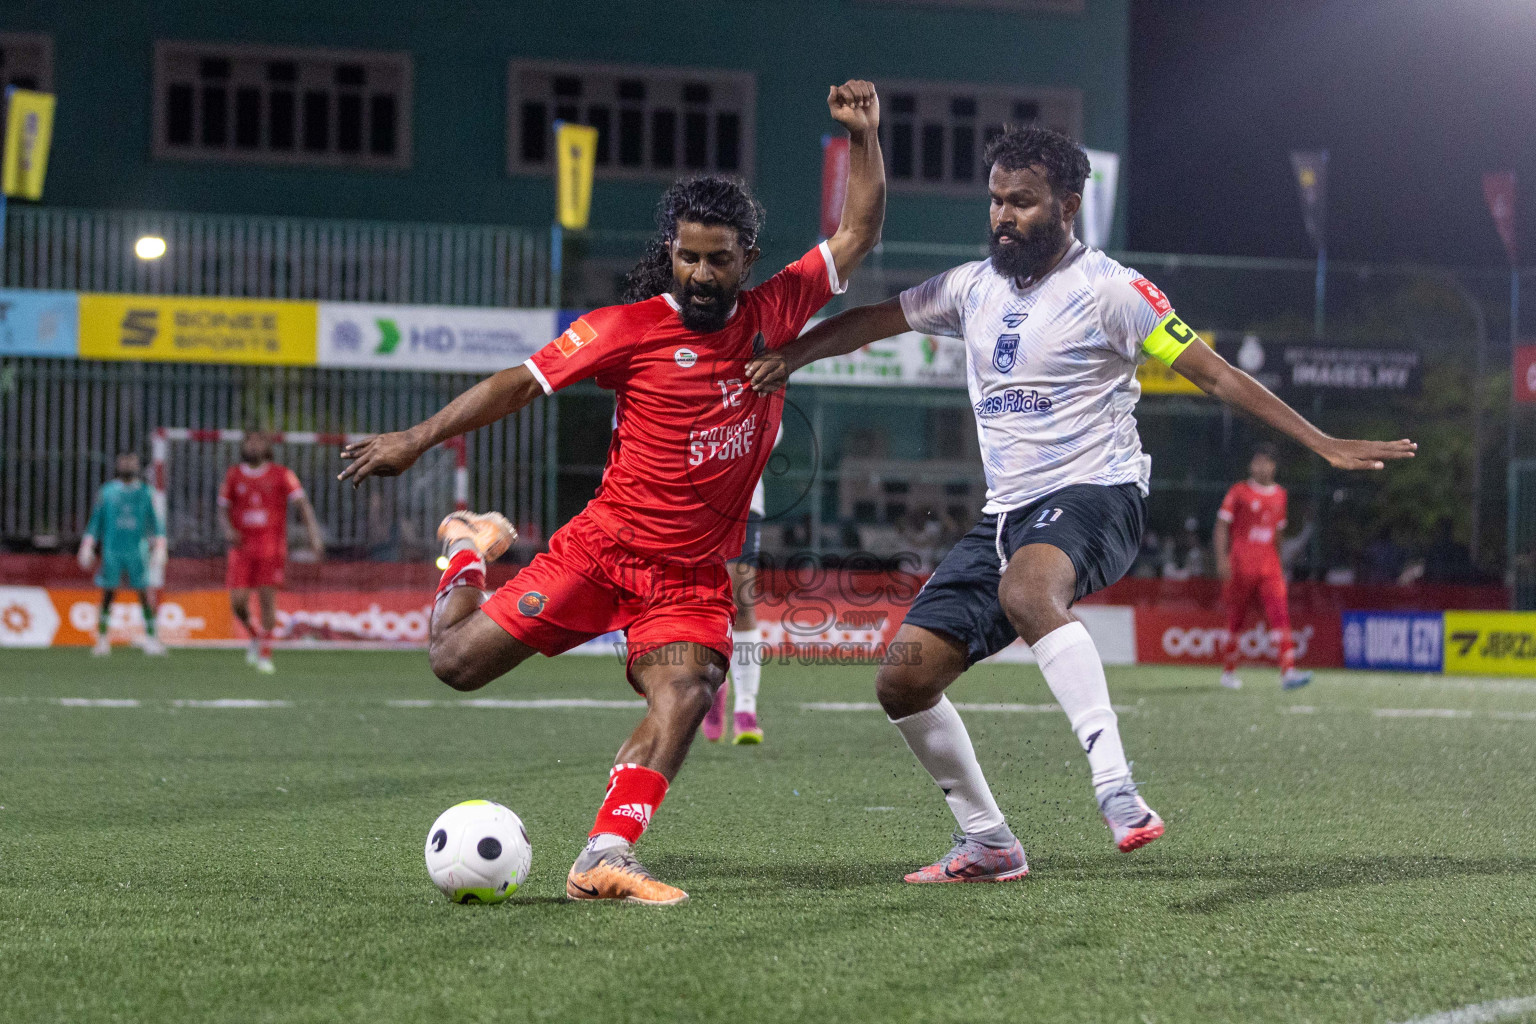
648, 554
1247, 539
254, 499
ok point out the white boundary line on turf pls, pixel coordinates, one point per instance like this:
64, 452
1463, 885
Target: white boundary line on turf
1027, 709
1420, 713
1480, 1013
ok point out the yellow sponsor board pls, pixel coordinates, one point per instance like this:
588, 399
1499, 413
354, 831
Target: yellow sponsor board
1158, 378
1490, 643
173, 328
28, 134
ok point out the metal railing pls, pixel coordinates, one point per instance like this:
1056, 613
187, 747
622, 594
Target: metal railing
277, 257
62, 421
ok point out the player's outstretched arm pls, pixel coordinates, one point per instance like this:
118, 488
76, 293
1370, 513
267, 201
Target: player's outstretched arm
391, 454
311, 526
856, 107
847, 332
1208, 371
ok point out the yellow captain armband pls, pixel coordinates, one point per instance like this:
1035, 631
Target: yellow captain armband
1169, 339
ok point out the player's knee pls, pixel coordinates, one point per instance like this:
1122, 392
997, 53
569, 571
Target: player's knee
688, 692
902, 689
1034, 605
454, 665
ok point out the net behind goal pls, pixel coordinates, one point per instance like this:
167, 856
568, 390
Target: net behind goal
390, 519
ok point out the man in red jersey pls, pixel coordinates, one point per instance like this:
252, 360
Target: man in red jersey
1247, 538
648, 553
254, 498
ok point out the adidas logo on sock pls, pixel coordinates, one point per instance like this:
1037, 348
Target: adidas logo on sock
640, 812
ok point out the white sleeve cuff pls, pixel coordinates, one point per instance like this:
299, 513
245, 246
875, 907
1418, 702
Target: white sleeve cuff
1225, 516
838, 287
533, 368
297, 495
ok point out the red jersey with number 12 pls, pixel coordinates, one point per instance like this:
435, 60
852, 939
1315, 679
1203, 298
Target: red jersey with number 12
256, 501
1257, 516
692, 436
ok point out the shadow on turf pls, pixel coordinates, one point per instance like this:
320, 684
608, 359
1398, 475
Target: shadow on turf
1249, 880
819, 875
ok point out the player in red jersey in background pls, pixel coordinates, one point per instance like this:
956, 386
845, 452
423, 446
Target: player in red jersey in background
254, 498
1247, 538
648, 553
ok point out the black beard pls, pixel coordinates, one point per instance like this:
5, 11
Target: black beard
127, 478
705, 319
1026, 255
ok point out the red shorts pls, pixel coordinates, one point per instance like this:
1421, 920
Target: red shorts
586, 585
249, 569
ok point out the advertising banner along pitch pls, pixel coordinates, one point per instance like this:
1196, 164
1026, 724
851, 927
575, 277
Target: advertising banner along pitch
444, 338
174, 328
39, 323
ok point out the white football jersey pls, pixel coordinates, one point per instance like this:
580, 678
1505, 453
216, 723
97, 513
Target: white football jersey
1051, 368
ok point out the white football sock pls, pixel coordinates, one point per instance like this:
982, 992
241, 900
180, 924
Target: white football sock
605, 841
746, 670
1075, 675
938, 738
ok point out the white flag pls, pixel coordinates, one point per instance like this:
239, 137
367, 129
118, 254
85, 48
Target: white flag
1097, 217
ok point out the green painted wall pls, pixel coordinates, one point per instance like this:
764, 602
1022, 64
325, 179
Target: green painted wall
102, 73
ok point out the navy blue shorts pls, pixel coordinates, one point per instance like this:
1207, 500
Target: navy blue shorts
752, 545
1098, 527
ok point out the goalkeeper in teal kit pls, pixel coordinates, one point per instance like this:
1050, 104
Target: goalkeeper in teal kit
123, 526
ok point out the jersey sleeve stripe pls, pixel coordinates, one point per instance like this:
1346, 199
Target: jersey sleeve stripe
1168, 339
837, 286
538, 375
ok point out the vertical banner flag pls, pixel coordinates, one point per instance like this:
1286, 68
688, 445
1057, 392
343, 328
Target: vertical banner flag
1097, 217
1525, 373
1312, 178
576, 157
1499, 192
28, 132
834, 182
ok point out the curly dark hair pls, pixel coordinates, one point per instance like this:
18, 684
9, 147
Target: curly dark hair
1064, 162
708, 199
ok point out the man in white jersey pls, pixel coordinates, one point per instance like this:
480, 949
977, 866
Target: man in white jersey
1053, 332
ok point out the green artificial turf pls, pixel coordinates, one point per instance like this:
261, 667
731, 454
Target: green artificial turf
1323, 862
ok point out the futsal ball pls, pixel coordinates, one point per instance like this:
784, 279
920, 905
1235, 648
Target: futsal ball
478, 852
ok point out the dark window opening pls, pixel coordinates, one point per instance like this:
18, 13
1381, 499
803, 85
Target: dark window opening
695, 139
282, 71
213, 67
317, 121
1025, 112
601, 118
663, 138
567, 112
963, 106
280, 119
631, 89
381, 125
215, 115
903, 103
901, 150
248, 117
349, 123
728, 142
351, 75
933, 151
695, 92
567, 85
178, 115
962, 156
631, 137
535, 141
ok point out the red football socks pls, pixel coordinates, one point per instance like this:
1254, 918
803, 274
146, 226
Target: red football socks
634, 794
465, 569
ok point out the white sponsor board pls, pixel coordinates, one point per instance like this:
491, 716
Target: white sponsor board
463, 339
27, 617
1112, 627
907, 360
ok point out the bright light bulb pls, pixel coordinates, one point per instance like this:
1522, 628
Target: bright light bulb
150, 247
442, 562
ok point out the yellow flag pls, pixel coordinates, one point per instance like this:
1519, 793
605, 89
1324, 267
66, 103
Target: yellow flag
28, 132
576, 156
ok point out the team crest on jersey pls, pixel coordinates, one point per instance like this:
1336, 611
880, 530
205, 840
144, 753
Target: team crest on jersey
532, 603
1154, 296
685, 357
1006, 352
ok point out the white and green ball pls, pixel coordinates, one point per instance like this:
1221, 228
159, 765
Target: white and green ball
478, 852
